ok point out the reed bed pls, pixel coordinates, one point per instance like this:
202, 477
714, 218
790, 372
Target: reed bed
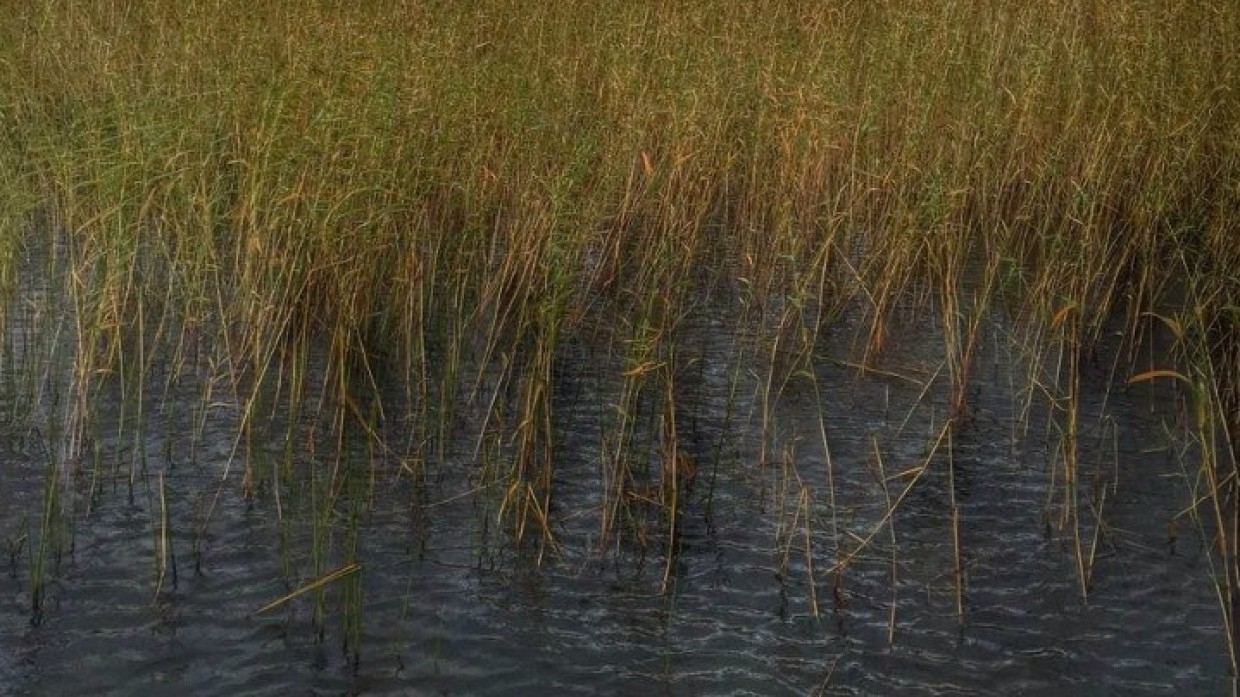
441, 195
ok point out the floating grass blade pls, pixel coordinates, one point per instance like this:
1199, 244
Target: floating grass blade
316, 584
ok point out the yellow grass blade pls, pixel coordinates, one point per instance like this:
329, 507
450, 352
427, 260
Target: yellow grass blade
1158, 373
317, 583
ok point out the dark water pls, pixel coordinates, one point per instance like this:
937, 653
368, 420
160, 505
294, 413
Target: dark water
450, 606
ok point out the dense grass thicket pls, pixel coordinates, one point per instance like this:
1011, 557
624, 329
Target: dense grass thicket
421, 187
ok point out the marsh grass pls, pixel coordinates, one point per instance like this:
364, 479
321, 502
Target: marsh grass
434, 194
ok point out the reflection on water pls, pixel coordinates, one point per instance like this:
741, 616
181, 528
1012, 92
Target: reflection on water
754, 605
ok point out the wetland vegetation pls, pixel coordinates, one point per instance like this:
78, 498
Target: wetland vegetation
373, 232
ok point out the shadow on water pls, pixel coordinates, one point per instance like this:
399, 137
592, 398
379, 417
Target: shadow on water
788, 574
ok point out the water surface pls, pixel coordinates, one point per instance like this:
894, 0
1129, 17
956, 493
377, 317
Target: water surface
751, 605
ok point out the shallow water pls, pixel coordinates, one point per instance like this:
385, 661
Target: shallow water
449, 606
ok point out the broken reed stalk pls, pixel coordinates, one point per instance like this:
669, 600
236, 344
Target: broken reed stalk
314, 585
801, 524
882, 480
915, 473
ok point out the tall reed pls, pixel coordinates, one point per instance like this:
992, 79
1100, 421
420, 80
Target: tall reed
429, 191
